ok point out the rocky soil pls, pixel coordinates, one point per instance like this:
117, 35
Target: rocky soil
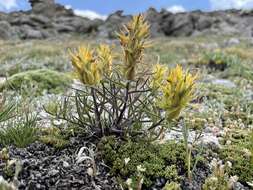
47, 19
44, 167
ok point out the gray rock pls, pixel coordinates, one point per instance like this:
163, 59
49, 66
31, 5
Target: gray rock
3, 16
41, 19
178, 25
63, 28
36, 2
207, 139
224, 82
239, 186
113, 24
79, 24
204, 22
6, 31
232, 42
30, 33
21, 20
49, 8
48, 33
155, 19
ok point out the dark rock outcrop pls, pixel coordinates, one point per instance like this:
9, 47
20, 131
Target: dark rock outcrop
113, 24
49, 8
47, 19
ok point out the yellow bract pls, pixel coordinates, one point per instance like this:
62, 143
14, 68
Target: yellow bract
178, 91
133, 39
90, 67
105, 58
159, 72
87, 70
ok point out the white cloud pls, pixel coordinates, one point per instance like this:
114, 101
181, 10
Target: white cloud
89, 14
68, 6
8, 4
176, 9
86, 13
231, 4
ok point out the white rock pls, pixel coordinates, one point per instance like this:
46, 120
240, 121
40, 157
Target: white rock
224, 82
232, 42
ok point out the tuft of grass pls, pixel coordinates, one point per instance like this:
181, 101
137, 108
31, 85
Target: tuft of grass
19, 132
5, 112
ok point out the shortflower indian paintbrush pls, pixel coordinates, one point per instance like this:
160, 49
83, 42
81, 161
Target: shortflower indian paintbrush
159, 73
105, 59
178, 91
89, 66
87, 70
133, 39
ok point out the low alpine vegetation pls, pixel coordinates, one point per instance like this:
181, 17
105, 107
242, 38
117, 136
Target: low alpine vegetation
126, 118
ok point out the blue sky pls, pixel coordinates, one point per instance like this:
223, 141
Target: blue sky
105, 7
133, 6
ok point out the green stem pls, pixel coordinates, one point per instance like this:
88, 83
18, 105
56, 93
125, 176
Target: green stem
188, 151
189, 164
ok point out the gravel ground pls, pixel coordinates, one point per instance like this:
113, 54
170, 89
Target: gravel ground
45, 167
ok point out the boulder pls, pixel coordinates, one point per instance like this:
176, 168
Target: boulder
40, 19
63, 28
178, 25
155, 19
220, 82
28, 32
49, 8
3, 16
22, 19
232, 42
203, 22
77, 24
112, 24
35, 3
6, 31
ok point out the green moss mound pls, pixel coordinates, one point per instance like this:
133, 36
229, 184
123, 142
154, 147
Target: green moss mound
239, 153
159, 160
42, 79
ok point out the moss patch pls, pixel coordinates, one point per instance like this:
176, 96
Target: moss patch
239, 153
159, 160
54, 136
42, 79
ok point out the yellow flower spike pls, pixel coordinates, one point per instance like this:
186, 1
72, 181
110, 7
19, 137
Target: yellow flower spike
158, 77
105, 58
177, 92
85, 66
133, 39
